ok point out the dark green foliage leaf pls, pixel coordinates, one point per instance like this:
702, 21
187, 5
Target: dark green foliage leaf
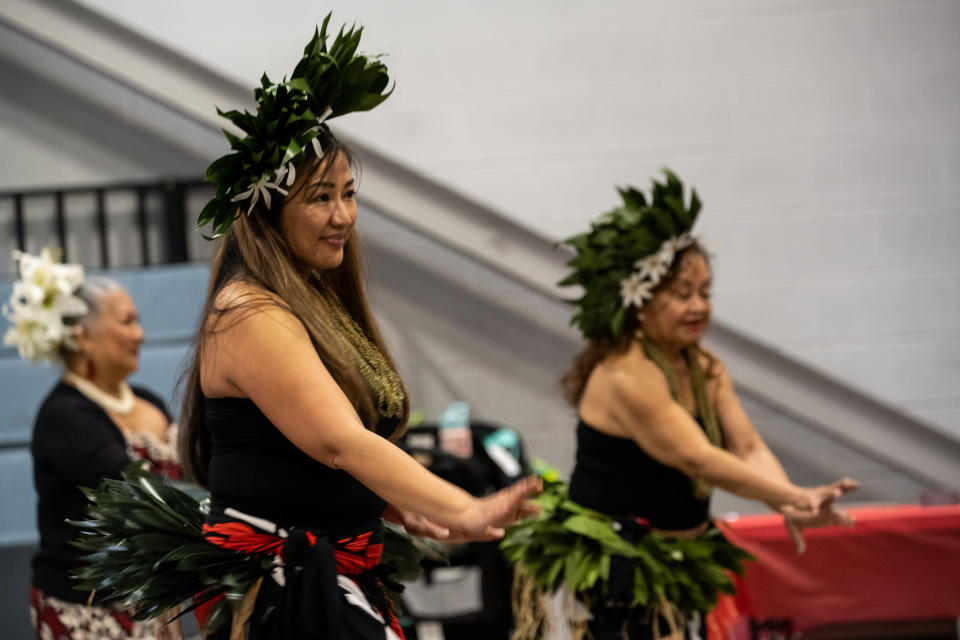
632, 197
695, 206
405, 552
641, 592
616, 325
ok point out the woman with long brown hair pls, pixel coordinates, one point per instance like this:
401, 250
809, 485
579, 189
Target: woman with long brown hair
292, 401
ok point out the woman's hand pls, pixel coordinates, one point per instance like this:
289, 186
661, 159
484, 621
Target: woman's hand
416, 524
810, 500
423, 527
483, 520
815, 508
486, 518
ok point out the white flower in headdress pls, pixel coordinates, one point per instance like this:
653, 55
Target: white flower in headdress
649, 268
289, 171
317, 147
38, 304
635, 290
43, 274
666, 254
681, 242
285, 174
262, 188
638, 287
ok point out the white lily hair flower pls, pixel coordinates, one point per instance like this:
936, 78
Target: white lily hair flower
288, 170
262, 188
317, 147
38, 304
638, 287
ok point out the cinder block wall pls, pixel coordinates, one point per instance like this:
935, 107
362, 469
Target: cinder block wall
823, 137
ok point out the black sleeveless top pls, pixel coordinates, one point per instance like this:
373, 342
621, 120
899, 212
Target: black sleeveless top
615, 476
255, 469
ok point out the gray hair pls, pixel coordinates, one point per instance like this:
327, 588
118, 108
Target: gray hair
91, 292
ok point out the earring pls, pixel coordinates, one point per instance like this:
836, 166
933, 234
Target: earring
638, 334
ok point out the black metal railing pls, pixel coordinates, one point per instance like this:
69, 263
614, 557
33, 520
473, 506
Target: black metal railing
153, 223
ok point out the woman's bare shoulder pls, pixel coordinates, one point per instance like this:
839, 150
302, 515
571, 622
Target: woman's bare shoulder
250, 332
631, 364
631, 393
239, 301
238, 293
632, 374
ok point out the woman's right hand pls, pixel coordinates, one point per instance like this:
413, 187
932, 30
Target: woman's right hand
485, 518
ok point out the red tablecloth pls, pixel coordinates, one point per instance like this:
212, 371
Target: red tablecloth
896, 563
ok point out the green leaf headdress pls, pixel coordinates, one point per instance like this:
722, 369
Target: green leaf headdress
626, 253
290, 123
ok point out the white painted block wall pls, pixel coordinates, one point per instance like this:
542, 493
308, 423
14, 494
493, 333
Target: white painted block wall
824, 137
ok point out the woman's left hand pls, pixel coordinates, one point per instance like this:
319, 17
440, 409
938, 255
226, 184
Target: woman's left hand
827, 515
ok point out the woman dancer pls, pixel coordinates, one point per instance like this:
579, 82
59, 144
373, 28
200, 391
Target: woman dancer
89, 427
292, 399
660, 423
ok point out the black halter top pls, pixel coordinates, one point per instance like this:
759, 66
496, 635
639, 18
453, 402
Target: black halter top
615, 476
255, 469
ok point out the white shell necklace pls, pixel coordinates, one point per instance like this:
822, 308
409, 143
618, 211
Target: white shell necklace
111, 404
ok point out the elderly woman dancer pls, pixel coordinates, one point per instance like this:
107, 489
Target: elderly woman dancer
660, 423
89, 427
292, 401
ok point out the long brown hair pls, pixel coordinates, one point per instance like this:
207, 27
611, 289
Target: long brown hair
254, 251
596, 350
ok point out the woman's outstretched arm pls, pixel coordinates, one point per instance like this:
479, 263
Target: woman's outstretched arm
644, 408
267, 356
742, 440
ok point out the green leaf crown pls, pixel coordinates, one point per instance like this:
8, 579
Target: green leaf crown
289, 121
611, 256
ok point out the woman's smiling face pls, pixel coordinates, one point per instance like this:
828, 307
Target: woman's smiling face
678, 314
317, 220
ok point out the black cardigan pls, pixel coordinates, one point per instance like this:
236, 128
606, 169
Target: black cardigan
75, 444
